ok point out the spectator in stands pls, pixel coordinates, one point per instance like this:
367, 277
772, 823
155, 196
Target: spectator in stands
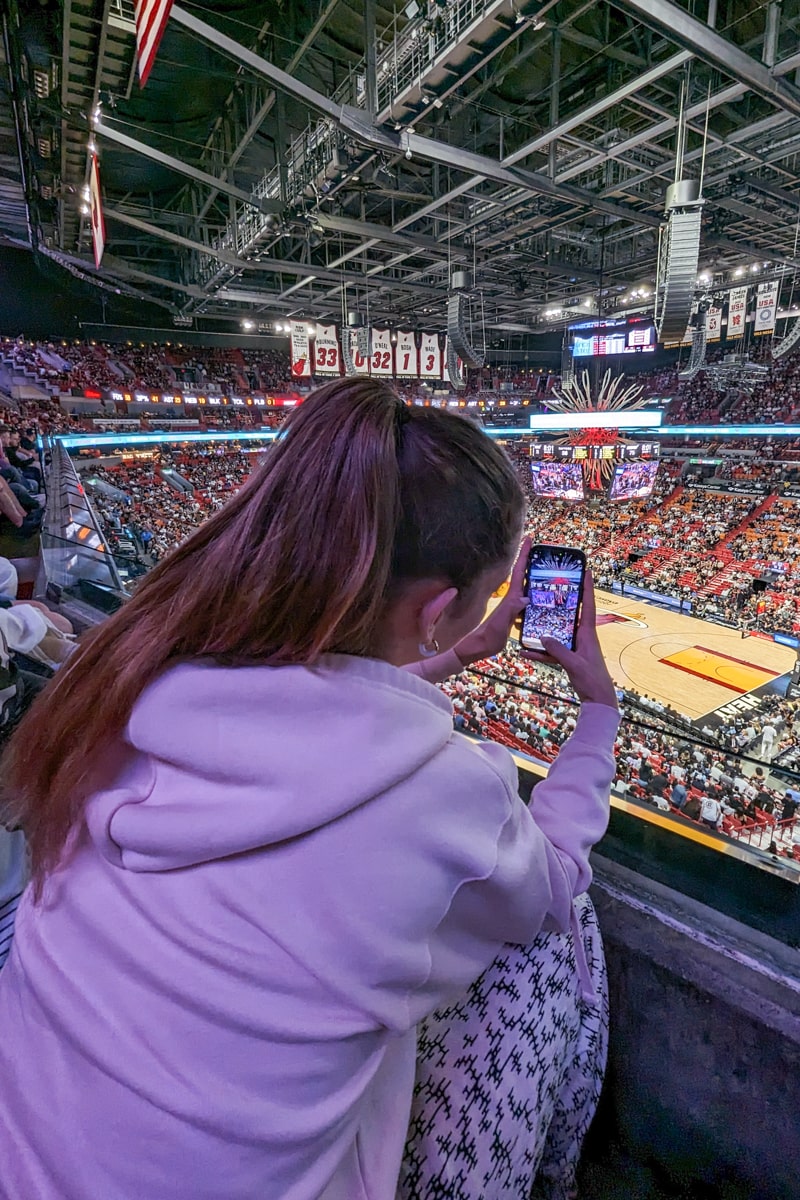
24, 460
211, 869
710, 811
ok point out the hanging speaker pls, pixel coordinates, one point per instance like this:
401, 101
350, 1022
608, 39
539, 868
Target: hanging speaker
678, 256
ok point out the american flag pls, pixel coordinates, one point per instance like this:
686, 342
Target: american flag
151, 17
96, 212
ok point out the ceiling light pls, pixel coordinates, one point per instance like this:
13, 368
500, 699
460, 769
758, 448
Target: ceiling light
247, 324
755, 267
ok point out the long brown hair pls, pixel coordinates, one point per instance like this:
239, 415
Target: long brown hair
359, 495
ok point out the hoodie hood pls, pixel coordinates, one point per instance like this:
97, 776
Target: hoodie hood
226, 760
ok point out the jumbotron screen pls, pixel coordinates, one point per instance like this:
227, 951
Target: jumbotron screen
558, 481
633, 481
593, 339
624, 451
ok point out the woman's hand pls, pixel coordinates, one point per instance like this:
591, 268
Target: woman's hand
492, 634
584, 665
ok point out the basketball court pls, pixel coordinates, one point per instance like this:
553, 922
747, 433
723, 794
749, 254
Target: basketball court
695, 666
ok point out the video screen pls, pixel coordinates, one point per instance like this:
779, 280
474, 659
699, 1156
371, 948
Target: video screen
611, 337
633, 481
554, 592
557, 481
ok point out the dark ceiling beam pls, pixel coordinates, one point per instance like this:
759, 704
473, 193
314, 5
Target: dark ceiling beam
680, 27
306, 272
266, 107
111, 134
405, 141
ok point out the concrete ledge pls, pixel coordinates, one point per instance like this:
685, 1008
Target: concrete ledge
703, 1087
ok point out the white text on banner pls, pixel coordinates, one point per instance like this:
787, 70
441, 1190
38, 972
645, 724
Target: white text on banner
327, 359
406, 354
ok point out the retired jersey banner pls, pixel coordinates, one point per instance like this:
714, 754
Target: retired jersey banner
96, 212
766, 307
714, 323
430, 357
405, 355
381, 362
737, 312
300, 350
360, 360
327, 359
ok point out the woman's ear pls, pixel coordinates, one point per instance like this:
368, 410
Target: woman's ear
432, 612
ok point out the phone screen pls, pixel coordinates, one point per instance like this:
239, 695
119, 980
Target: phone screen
554, 584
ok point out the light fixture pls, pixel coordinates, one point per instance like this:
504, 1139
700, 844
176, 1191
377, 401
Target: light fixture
85, 209
247, 324
755, 267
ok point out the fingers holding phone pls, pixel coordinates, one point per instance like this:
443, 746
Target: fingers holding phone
582, 659
554, 589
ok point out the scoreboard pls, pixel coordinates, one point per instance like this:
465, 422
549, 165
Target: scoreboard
616, 452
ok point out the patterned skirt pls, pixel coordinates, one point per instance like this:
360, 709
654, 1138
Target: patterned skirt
509, 1077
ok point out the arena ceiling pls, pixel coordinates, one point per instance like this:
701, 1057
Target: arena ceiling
528, 141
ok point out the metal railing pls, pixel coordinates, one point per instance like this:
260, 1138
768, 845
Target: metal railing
73, 545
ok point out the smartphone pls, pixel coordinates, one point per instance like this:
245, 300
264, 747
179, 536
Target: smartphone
554, 587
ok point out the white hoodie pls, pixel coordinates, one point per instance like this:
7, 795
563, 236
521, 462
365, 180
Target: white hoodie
291, 868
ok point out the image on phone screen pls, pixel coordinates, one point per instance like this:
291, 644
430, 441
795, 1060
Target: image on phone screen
555, 586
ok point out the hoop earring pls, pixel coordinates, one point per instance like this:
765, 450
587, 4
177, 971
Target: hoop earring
429, 649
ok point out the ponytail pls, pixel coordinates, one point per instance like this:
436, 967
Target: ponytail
357, 495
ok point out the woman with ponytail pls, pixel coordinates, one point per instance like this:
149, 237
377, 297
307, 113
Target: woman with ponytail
260, 855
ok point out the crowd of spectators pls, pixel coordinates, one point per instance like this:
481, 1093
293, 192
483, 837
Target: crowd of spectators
525, 707
149, 506
74, 367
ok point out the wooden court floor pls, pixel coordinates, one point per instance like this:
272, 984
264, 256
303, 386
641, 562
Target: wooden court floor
696, 666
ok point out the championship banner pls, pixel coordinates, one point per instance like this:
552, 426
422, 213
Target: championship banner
96, 212
327, 359
300, 350
766, 307
714, 324
406, 355
737, 312
381, 362
430, 357
150, 18
360, 362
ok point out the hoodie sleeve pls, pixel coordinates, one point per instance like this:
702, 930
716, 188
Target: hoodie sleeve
542, 860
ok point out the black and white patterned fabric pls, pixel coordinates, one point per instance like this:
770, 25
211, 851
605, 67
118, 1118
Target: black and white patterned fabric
508, 1078
13, 877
